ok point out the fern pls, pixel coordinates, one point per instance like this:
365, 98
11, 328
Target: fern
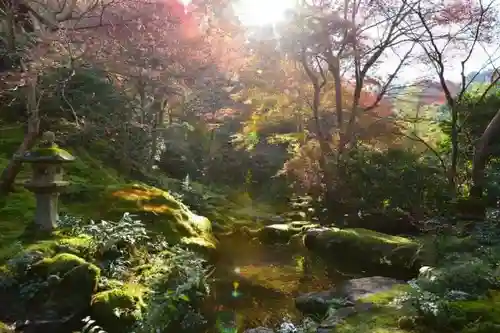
91, 326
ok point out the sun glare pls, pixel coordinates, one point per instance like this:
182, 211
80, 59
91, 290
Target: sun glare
262, 12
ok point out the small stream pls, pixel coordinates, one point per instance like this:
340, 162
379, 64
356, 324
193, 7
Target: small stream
255, 284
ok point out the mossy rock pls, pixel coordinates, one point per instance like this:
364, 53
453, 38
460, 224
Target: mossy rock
108, 284
201, 245
281, 233
60, 243
4, 328
468, 314
373, 252
71, 281
377, 320
381, 316
160, 211
117, 310
482, 327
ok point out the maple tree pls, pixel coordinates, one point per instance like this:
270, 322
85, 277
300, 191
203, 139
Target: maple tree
339, 60
319, 89
450, 34
154, 51
278, 89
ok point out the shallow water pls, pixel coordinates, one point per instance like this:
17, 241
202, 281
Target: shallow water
255, 285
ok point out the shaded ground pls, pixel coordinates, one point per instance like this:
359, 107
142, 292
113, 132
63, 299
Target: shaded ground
255, 285
267, 278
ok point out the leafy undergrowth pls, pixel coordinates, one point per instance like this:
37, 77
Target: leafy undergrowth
460, 293
225, 207
121, 270
97, 191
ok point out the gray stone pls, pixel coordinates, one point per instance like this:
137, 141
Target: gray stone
46, 213
294, 216
282, 232
336, 316
427, 272
259, 330
350, 292
316, 303
277, 219
355, 289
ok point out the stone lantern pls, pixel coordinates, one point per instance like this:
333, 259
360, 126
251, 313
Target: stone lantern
47, 179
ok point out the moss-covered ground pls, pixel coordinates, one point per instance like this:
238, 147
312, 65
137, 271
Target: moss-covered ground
384, 317
96, 192
256, 281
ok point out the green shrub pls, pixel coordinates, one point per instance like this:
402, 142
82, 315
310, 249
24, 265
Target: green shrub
178, 281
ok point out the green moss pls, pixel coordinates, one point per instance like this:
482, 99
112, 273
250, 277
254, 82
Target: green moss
17, 209
108, 284
482, 327
87, 170
385, 297
11, 137
477, 316
4, 328
383, 318
71, 283
159, 210
464, 313
61, 263
48, 153
118, 309
96, 191
58, 242
73, 270
373, 237
16, 212
372, 251
282, 233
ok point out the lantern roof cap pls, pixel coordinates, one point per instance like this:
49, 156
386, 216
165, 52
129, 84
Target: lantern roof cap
47, 152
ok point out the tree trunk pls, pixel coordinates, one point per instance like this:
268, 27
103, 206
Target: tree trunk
157, 125
11, 29
324, 146
12, 169
452, 174
481, 156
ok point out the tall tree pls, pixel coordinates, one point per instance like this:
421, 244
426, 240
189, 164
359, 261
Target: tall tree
450, 31
338, 43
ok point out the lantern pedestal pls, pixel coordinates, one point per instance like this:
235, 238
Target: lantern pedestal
47, 180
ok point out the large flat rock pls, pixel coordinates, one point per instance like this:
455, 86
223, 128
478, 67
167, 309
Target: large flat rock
351, 291
356, 289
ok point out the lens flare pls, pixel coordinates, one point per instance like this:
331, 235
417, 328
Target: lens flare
235, 292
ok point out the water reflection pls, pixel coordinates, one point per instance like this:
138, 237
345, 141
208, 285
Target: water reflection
255, 285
